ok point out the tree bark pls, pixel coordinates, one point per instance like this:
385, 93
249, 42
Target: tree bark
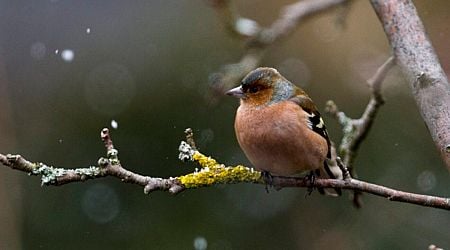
419, 63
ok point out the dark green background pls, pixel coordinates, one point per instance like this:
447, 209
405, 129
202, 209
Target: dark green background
146, 65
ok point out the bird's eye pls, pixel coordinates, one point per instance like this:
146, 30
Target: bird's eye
253, 89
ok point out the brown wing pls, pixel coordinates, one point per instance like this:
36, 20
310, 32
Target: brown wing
315, 119
317, 125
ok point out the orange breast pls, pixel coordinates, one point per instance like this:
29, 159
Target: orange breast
275, 138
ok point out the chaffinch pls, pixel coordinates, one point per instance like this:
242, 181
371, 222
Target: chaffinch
279, 128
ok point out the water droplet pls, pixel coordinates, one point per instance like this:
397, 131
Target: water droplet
67, 55
200, 243
247, 26
114, 124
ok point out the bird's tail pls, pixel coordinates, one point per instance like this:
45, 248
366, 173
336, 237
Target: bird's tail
331, 171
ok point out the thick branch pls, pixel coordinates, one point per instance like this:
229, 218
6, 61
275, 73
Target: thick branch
419, 63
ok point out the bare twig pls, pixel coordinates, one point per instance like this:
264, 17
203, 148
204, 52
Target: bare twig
288, 21
190, 138
355, 130
362, 186
419, 63
211, 173
110, 166
290, 18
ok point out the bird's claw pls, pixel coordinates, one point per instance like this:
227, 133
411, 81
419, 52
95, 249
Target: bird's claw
311, 179
268, 179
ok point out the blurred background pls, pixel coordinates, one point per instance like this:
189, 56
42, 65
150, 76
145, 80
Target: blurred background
141, 68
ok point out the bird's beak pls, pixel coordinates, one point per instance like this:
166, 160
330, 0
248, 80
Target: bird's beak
236, 92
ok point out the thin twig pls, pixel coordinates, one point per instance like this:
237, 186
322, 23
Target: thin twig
110, 166
356, 130
290, 17
190, 138
366, 187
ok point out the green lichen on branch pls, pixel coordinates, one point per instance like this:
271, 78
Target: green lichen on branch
50, 175
349, 127
212, 172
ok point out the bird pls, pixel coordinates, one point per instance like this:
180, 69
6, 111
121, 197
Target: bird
279, 128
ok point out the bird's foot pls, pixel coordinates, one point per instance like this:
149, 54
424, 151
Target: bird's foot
268, 179
311, 179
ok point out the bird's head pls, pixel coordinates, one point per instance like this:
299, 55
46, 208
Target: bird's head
262, 86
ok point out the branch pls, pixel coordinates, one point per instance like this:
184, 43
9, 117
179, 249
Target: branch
259, 39
355, 130
357, 185
109, 166
210, 173
419, 63
290, 18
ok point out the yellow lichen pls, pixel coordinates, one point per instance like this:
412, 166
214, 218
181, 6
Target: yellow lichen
212, 172
204, 160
